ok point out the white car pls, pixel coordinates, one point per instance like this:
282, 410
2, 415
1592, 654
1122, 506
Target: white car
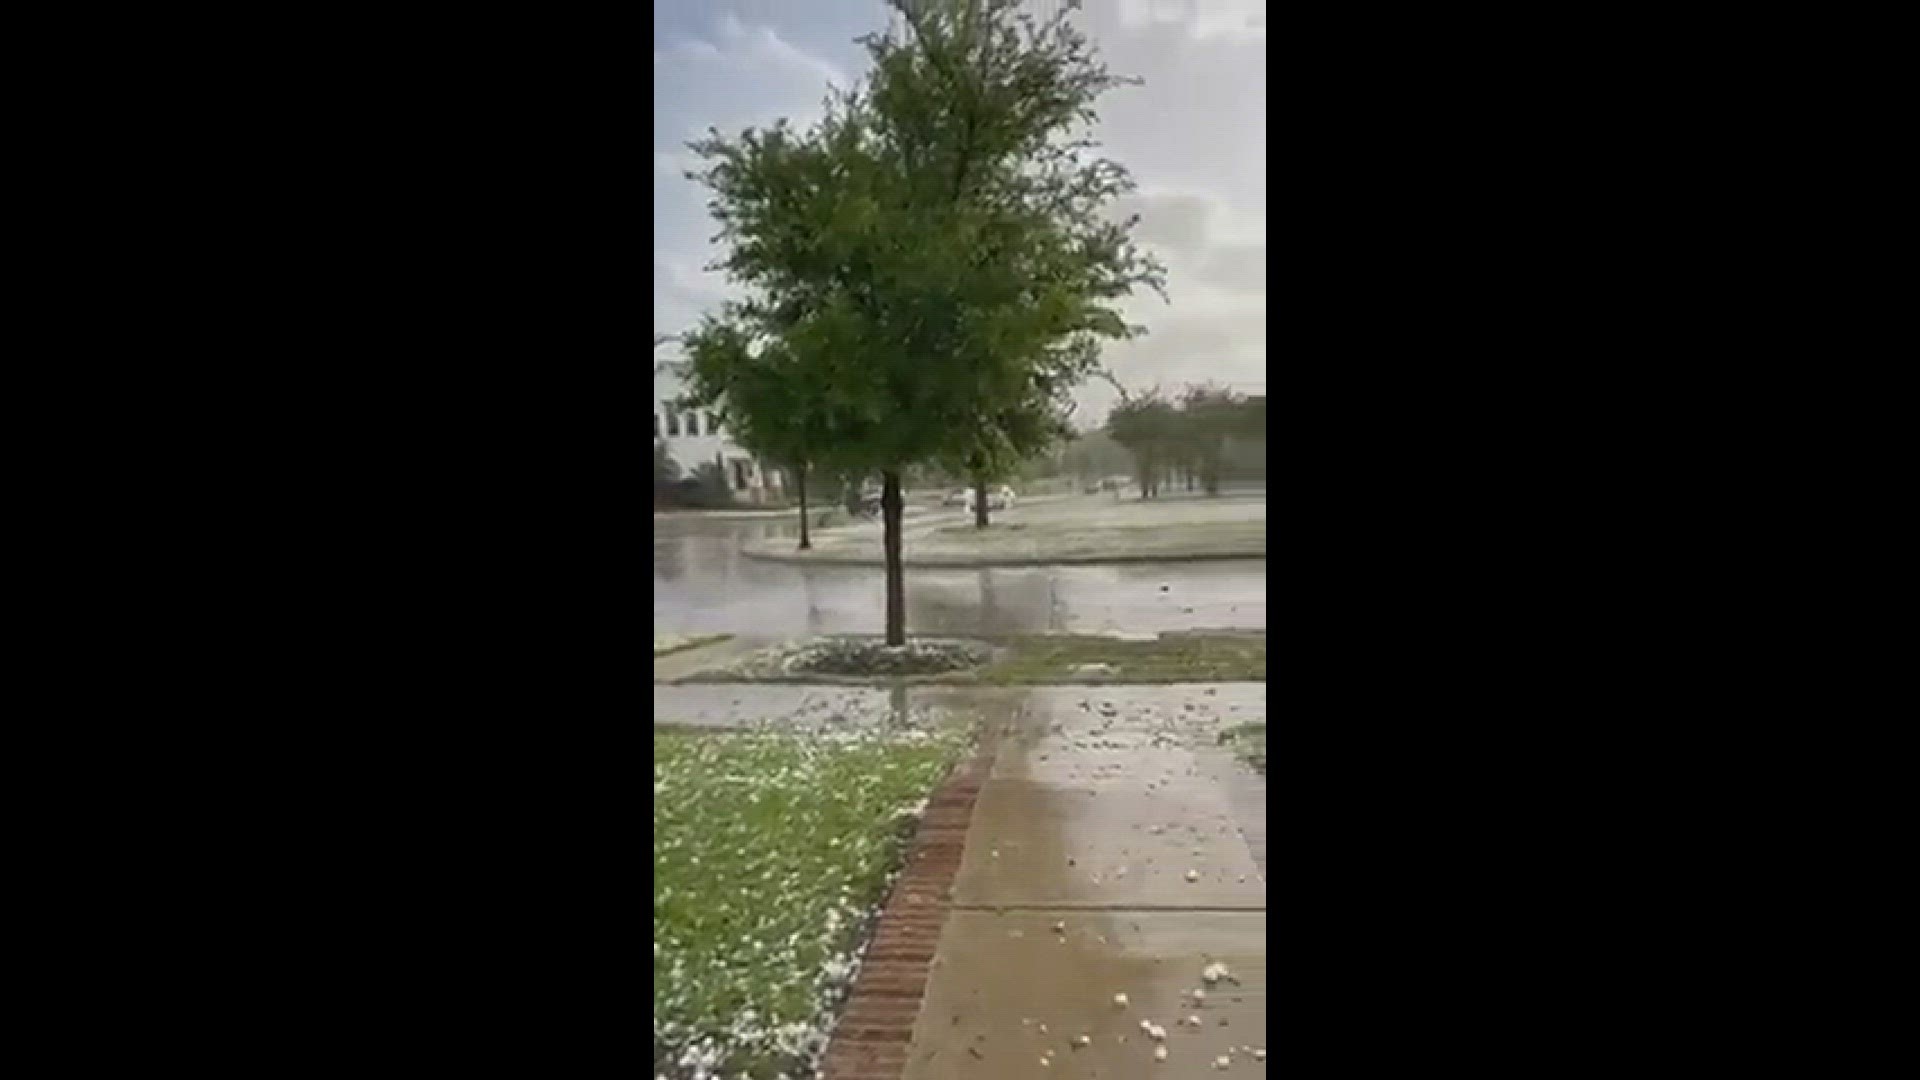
999, 498
960, 497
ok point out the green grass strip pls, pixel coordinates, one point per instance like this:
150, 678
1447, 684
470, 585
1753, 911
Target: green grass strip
770, 852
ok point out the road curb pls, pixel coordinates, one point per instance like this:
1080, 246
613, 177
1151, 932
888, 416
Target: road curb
700, 641
967, 564
871, 1038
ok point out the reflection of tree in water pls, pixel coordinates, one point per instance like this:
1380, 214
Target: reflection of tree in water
897, 711
814, 621
669, 558
941, 609
988, 600
709, 551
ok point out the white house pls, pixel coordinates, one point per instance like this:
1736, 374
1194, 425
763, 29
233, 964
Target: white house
695, 437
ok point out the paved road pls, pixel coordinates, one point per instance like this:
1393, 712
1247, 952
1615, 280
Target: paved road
702, 584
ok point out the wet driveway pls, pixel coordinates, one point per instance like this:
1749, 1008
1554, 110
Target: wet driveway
703, 584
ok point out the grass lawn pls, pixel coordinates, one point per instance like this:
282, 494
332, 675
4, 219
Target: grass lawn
1091, 541
1074, 530
1249, 742
664, 644
770, 852
1052, 658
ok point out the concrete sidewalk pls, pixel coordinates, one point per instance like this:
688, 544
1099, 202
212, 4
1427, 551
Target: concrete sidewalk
1115, 848
678, 665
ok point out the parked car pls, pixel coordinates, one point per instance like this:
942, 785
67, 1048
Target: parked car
960, 497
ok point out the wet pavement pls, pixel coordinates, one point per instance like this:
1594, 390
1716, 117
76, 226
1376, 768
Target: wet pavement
1010, 993
703, 584
1139, 791
1108, 854
802, 707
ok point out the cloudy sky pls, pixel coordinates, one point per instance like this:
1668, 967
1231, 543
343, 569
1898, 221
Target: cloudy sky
1194, 136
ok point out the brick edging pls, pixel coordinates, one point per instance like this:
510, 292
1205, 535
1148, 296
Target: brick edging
870, 1040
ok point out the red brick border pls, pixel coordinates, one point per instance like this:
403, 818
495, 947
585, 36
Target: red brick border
870, 1040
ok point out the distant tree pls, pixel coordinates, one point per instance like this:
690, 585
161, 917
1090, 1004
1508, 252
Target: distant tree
1006, 441
1093, 455
666, 472
1245, 454
1148, 426
708, 487
1208, 415
767, 394
1251, 419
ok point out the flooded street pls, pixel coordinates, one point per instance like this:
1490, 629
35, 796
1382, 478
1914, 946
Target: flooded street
703, 584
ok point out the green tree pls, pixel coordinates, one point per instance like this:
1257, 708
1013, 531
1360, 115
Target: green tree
934, 255
666, 472
1209, 414
763, 393
707, 488
1147, 425
1094, 455
1006, 441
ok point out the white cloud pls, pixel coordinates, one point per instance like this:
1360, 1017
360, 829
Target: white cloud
749, 76
1240, 22
1170, 222
673, 164
1239, 268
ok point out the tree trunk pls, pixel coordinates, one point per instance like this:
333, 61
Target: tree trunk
979, 501
800, 486
890, 542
